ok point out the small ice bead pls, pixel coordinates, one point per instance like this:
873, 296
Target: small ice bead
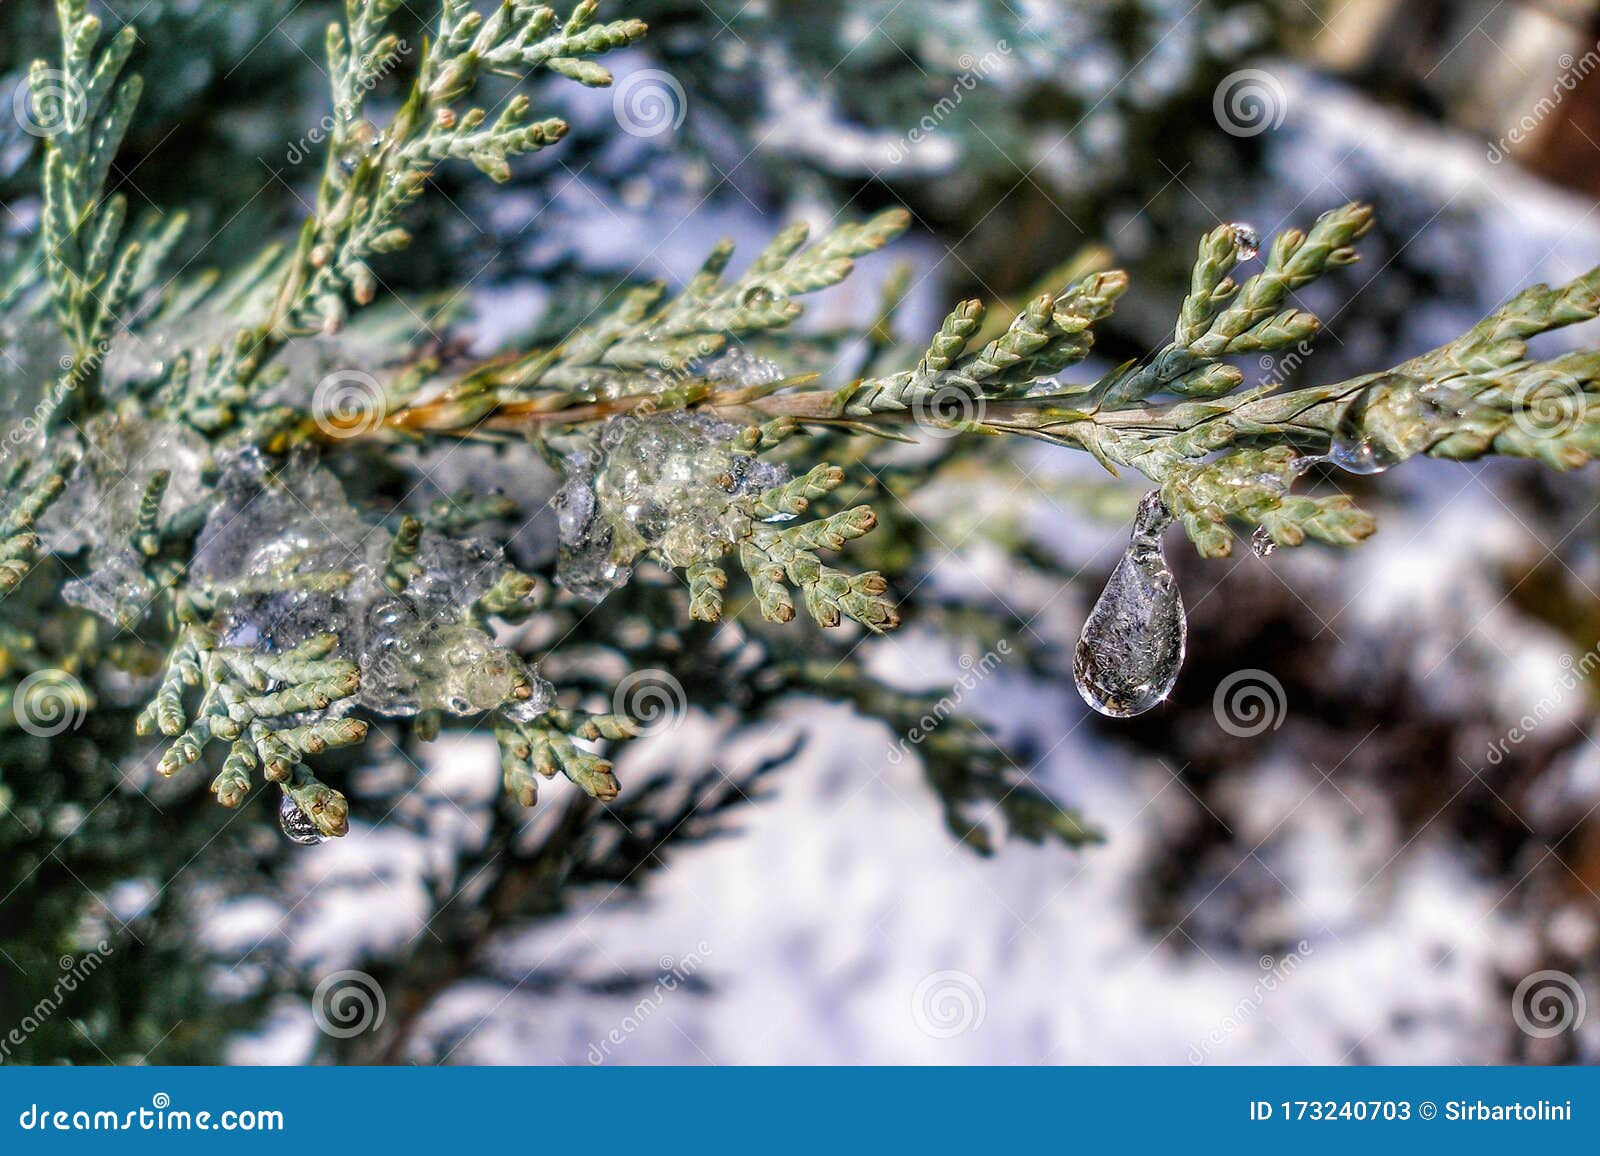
1132, 644
575, 510
1246, 240
1261, 543
298, 826
537, 703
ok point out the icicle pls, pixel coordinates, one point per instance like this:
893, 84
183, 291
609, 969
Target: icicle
1132, 643
296, 824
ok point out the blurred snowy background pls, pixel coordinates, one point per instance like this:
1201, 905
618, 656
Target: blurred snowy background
1371, 810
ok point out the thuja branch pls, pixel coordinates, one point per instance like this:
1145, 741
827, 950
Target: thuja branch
1217, 451
682, 433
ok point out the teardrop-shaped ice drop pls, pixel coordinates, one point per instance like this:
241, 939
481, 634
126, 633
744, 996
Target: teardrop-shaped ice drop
1261, 543
1356, 448
1246, 241
1132, 643
1394, 417
296, 824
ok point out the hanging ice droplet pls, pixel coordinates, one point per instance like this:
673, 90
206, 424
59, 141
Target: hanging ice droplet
1246, 241
1261, 543
1132, 643
1394, 417
296, 824
1353, 448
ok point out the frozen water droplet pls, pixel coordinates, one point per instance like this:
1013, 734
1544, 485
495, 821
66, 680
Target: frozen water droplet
1302, 464
1353, 449
672, 485
1261, 543
360, 141
1132, 643
540, 700
1392, 418
1246, 241
740, 365
115, 587
296, 824
101, 502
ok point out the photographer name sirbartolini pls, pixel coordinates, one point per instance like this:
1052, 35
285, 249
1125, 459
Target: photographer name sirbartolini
1479, 1110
